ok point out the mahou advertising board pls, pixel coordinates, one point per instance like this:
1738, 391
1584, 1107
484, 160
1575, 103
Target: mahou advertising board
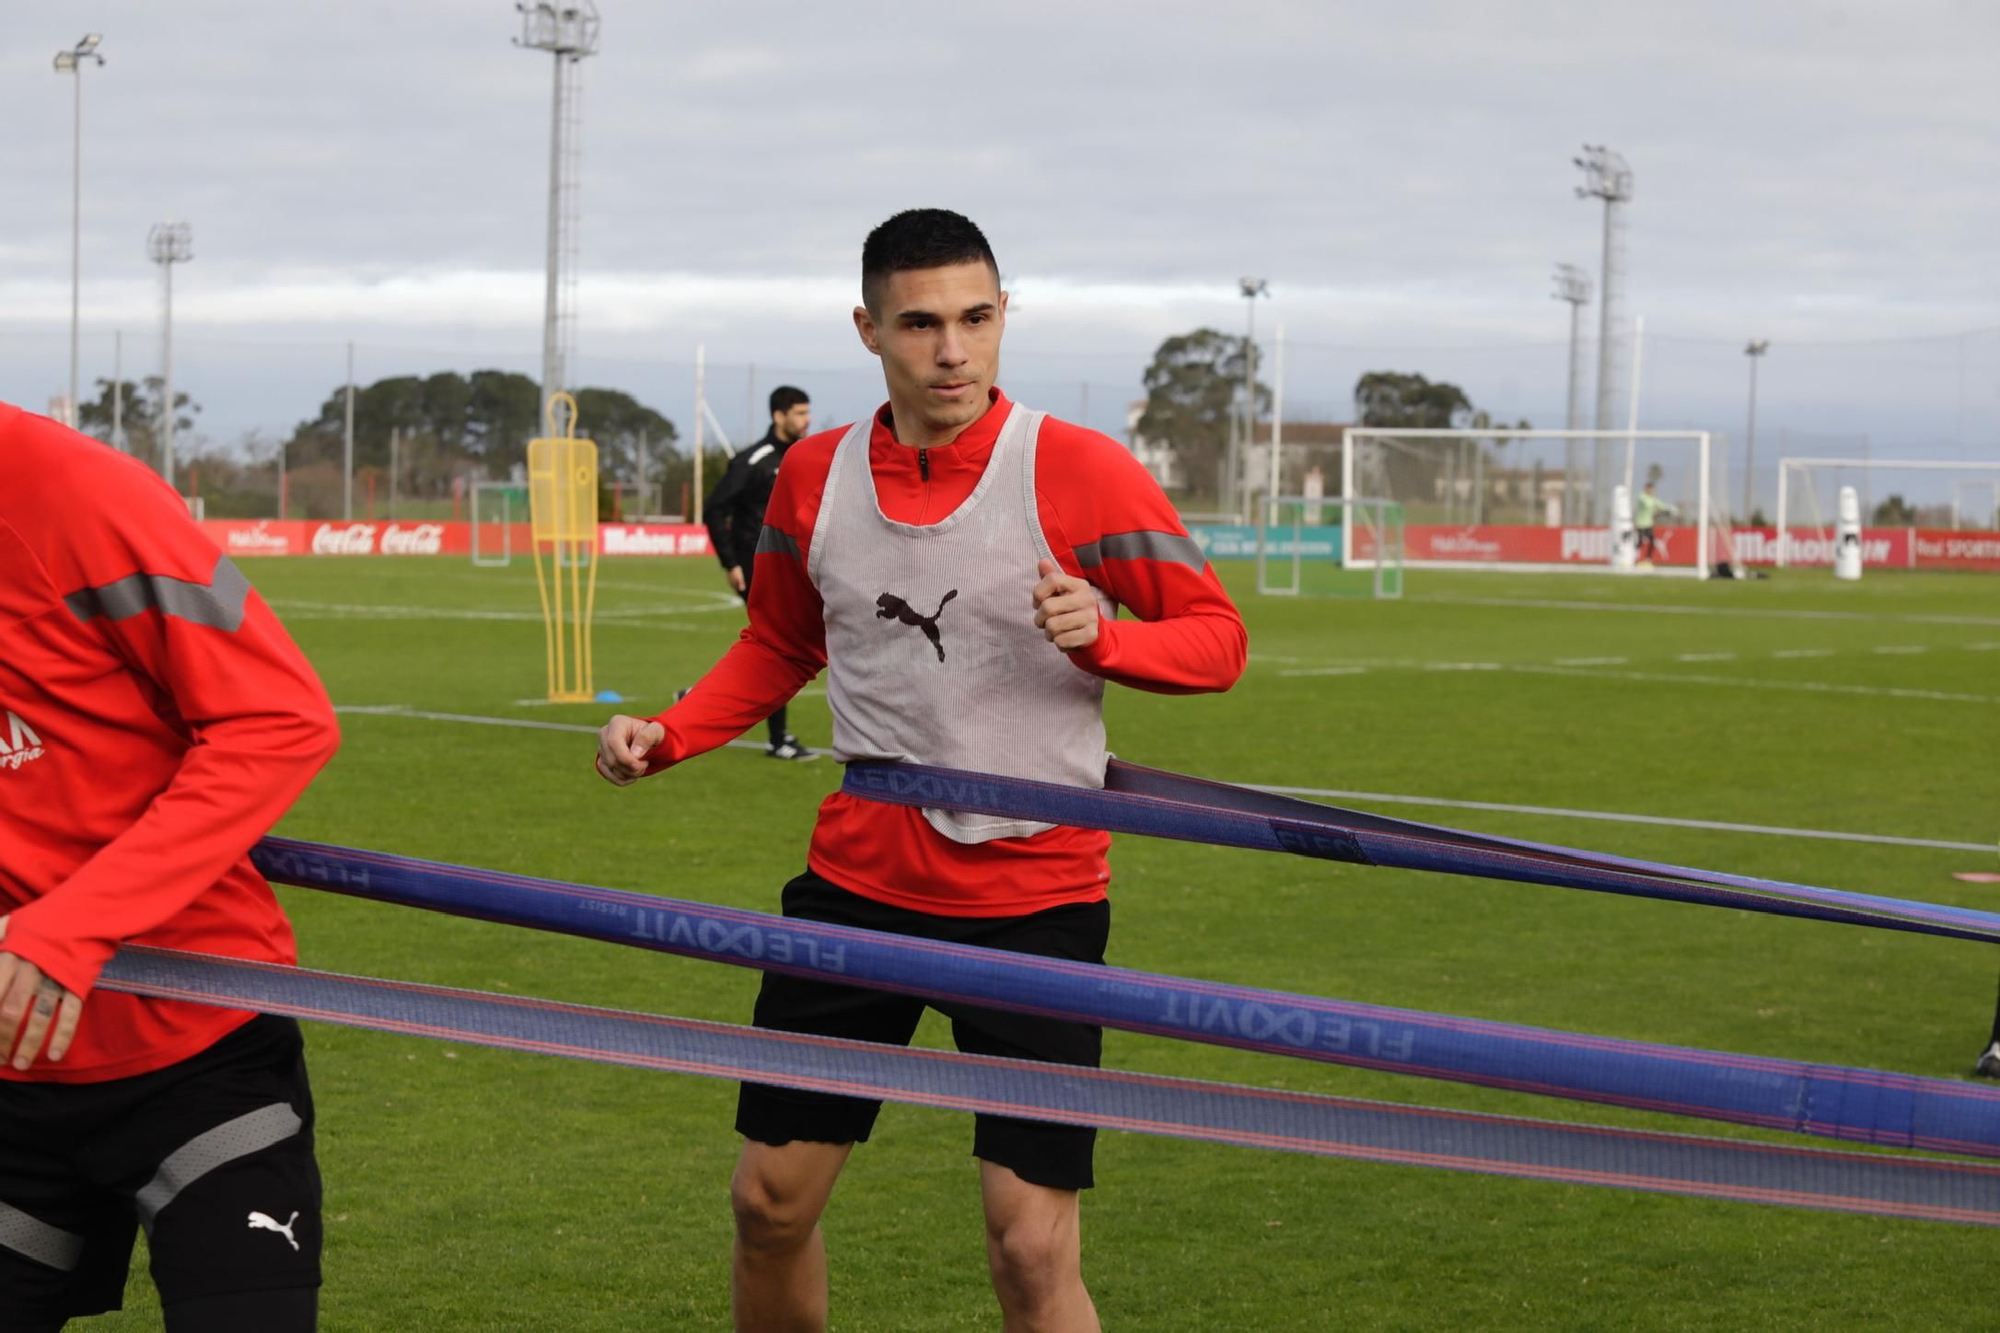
1886, 548
252, 537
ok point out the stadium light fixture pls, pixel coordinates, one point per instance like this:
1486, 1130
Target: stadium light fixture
1755, 350
71, 62
168, 244
1573, 286
568, 30
1252, 288
1606, 176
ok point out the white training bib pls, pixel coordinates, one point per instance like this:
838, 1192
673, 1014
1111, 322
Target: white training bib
932, 652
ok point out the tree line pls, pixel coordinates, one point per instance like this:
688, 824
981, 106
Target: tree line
437, 429
1196, 394
433, 430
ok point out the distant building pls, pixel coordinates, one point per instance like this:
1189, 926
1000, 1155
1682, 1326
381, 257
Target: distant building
1306, 445
1155, 456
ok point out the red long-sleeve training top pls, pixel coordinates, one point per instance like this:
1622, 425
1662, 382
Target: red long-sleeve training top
155, 721
1105, 519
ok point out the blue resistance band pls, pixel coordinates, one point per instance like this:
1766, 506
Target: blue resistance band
1881, 1185
1830, 1101
1159, 804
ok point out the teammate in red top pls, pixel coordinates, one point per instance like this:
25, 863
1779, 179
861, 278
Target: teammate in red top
956, 564
155, 721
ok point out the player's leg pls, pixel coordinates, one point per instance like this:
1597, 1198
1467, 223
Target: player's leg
1031, 1172
1034, 1252
218, 1166
65, 1246
777, 1268
1989, 1059
795, 1142
65, 1242
779, 743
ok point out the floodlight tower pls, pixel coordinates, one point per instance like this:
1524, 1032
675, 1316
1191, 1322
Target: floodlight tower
1755, 350
567, 29
168, 244
1252, 288
71, 62
1606, 177
1573, 286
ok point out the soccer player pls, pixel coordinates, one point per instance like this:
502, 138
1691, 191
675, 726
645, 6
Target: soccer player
1645, 512
155, 721
955, 562
735, 515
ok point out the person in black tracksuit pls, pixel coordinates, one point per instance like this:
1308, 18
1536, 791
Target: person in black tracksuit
735, 516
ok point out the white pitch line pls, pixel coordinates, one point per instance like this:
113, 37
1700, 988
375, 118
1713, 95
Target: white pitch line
1705, 657
1981, 647
1553, 812
1668, 609
1591, 661
1749, 683
1803, 652
1607, 816
1461, 666
1901, 649
1324, 671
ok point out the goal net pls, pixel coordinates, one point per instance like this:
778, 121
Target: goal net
1934, 494
496, 507
1300, 539
1535, 499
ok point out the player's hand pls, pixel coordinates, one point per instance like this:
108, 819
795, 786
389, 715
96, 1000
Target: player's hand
32, 1007
622, 745
736, 579
1065, 608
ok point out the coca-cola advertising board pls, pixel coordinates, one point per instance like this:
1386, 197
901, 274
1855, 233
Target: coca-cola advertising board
270, 536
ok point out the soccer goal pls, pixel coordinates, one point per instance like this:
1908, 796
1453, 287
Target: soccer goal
1894, 492
1532, 500
1300, 539
496, 507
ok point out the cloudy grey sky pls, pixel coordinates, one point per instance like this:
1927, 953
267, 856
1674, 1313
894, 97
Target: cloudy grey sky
1816, 173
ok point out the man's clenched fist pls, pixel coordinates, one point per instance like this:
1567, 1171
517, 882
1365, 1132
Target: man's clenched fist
1065, 608
622, 746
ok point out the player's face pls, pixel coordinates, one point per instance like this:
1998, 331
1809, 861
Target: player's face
938, 333
792, 423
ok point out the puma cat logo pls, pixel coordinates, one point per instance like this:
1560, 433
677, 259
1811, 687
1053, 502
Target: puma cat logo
892, 607
261, 1222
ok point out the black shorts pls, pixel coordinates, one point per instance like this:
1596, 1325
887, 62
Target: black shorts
1057, 1156
213, 1156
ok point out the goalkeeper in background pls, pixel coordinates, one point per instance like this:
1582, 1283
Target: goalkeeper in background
1645, 511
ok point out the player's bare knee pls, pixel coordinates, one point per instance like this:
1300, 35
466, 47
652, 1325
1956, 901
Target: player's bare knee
1031, 1257
766, 1216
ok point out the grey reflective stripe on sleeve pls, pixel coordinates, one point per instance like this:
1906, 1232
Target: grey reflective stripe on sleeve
251, 1132
50, 1246
217, 603
772, 540
1168, 546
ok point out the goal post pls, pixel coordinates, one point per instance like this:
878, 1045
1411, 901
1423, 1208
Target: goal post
496, 506
1533, 500
1300, 539
1928, 495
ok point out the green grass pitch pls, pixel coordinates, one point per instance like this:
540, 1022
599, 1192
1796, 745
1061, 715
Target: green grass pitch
481, 1190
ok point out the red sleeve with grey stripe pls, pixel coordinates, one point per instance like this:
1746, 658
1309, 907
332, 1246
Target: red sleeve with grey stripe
177, 720
1108, 521
784, 646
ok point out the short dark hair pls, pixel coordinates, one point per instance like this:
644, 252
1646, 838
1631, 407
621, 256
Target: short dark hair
921, 238
784, 398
